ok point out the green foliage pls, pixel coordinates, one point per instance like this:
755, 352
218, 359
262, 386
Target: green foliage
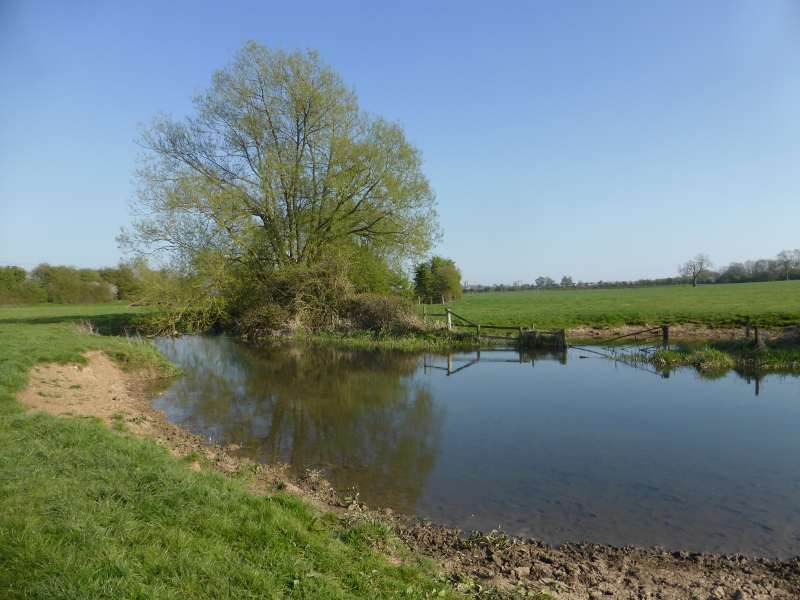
437, 279
742, 354
280, 170
68, 285
370, 273
125, 280
262, 321
16, 288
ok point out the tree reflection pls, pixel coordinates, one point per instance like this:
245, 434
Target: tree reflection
360, 416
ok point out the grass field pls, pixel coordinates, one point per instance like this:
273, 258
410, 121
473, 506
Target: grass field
87, 513
769, 304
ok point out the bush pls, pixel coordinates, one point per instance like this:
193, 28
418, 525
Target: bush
315, 296
16, 288
382, 313
263, 321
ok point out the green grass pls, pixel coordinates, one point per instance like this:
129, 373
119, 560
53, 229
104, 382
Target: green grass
740, 354
427, 341
88, 513
769, 304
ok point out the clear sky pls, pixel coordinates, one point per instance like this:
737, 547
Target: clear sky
606, 140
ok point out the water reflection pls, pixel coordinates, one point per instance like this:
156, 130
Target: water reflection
359, 416
548, 445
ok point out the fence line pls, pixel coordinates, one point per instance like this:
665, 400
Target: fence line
525, 337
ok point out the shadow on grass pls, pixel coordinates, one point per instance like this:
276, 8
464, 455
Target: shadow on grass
104, 321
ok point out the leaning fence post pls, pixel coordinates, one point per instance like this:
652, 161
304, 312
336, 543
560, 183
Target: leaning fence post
665, 331
449, 320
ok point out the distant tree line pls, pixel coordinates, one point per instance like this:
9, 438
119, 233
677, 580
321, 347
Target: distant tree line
785, 266
68, 285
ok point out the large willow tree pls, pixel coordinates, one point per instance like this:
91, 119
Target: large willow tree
278, 167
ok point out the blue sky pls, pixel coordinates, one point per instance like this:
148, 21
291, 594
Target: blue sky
601, 140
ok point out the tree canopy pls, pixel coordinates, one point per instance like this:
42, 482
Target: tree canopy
278, 167
437, 279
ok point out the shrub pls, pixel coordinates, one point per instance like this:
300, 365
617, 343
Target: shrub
263, 321
383, 313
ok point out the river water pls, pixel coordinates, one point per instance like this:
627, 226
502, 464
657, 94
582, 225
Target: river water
555, 447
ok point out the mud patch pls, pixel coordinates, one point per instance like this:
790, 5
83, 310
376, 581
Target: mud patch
482, 566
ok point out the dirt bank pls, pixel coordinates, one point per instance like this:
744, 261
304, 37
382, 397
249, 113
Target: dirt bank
677, 333
516, 568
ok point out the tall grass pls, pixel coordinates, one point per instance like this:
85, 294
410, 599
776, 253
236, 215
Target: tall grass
87, 513
739, 354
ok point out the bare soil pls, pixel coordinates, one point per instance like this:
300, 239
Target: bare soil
677, 333
484, 566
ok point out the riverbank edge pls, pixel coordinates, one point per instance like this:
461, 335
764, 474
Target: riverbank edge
480, 564
726, 349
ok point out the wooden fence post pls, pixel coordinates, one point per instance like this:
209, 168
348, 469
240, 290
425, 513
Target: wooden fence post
424, 314
665, 331
449, 320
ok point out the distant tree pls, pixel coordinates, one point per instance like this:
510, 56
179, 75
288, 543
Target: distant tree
17, 288
694, 267
787, 261
438, 278
758, 269
567, 282
125, 279
11, 277
544, 282
68, 285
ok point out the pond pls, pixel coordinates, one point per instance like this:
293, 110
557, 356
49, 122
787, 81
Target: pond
555, 447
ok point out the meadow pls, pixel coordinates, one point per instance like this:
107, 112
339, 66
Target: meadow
89, 513
769, 304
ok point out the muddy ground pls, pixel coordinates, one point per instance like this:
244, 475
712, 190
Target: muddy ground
484, 566
677, 333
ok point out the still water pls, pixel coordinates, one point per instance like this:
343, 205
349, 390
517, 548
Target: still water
557, 448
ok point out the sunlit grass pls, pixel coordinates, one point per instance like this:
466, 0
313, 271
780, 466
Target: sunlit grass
769, 304
88, 513
739, 354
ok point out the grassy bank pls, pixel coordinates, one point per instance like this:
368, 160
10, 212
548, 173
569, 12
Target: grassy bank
428, 341
780, 355
86, 513
769, 304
